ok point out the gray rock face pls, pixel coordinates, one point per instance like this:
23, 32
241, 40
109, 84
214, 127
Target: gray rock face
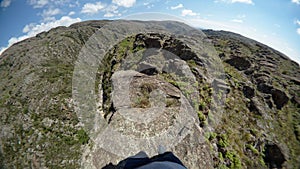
152, 42
280, 98
265, 88
147, 68
239, 63
256, 107
150, 102
272, 80
221, 85
178, 48
156, 113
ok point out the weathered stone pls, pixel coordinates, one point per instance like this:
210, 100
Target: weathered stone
222, 55
198, 61
268, 100
153, 42
296, 100
255, 106
249, 72
274, 156
268, 64
147, 68
264, 88
248, 91
221, 85
239, 63
262, 79
179, 67
259, 74
199, 74
179, 49
279, 97
296, 81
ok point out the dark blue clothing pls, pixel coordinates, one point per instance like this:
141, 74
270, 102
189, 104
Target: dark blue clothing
162, 165
141, 161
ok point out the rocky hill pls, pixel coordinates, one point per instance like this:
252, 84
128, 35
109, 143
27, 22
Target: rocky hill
98, 91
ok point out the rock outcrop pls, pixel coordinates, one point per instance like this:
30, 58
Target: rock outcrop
239, 63
214, 98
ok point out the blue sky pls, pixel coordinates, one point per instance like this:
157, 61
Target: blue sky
273, 22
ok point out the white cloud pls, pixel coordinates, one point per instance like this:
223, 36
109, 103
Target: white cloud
298, 31
74, 4
33, 29
177, 7
61, 2
38, 3
237, 20
49, 3
71, 13
297, 22
111, 11
124, 3
150, 6
5, 3
296, 2
90, 8
188, 12
109, 15
242, 1
50, 12
250, 2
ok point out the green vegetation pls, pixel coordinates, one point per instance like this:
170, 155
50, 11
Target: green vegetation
202, 118
37, 109
254, 150
170, 78
56, 70
82, 136
234, 159
222, 141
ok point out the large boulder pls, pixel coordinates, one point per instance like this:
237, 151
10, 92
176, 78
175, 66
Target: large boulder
248, 91
239, 63
179, 48
280, 98
256, 106
274, 156
166, 118
264, 88
220, 85
147, 68
153, 42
